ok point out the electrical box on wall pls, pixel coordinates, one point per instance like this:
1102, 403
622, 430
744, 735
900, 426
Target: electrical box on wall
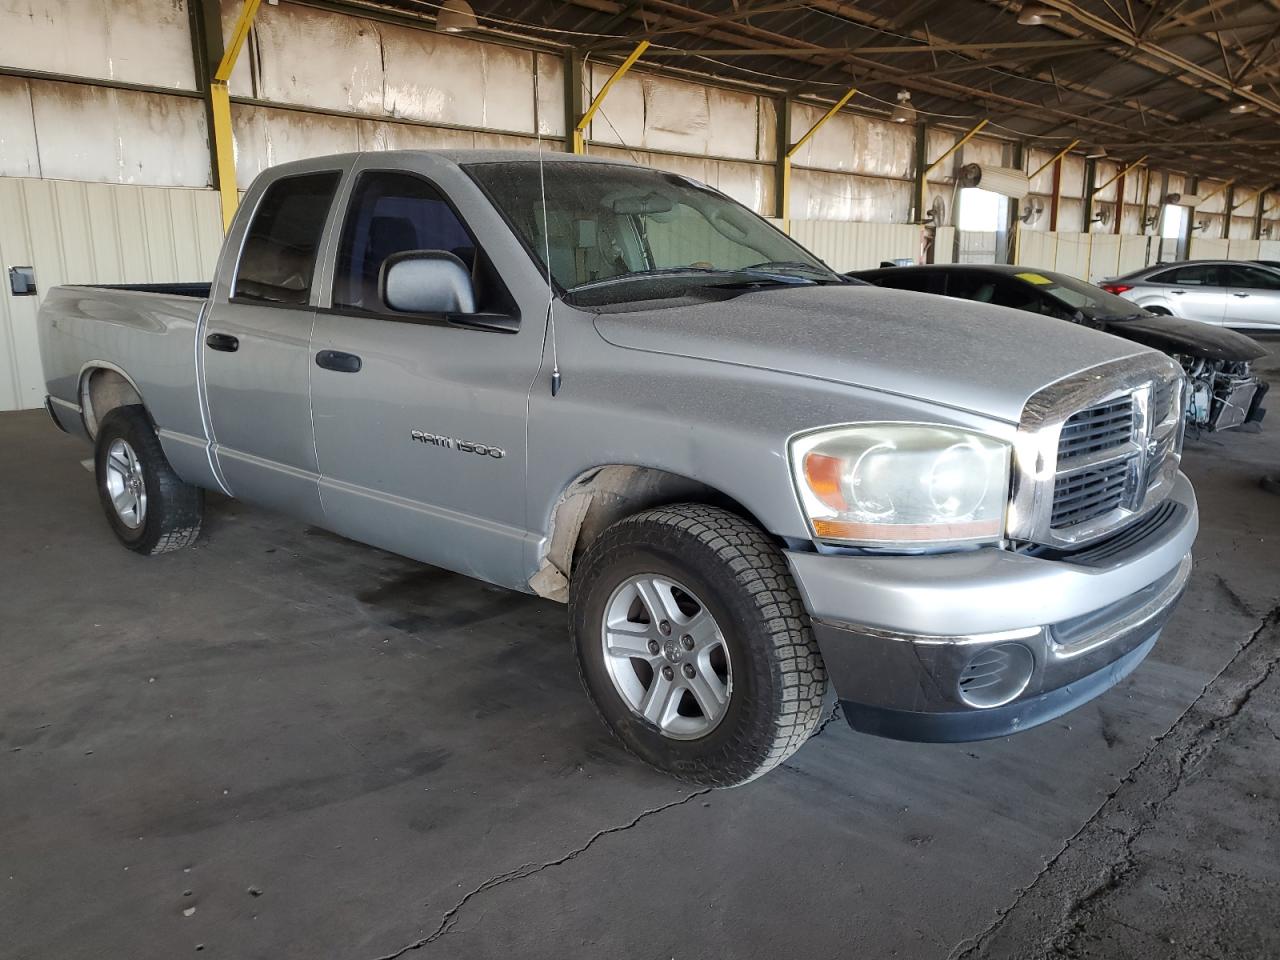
22, 281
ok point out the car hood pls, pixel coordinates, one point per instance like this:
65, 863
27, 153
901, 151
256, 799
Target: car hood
970, 356
1176, 335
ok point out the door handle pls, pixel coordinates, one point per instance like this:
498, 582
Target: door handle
1177, 293
222, 341
338, 361
1239, 294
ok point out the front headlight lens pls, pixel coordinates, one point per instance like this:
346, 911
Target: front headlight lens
902, 484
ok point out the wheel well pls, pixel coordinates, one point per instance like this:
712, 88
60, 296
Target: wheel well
600, 497
101, 391
1159, 311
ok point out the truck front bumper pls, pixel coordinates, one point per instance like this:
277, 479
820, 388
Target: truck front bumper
968, 646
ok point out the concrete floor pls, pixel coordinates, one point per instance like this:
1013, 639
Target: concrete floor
282, 744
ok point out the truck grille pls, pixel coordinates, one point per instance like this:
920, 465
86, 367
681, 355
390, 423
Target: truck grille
1102, 449
1085, 494
1104, 427
1096, 463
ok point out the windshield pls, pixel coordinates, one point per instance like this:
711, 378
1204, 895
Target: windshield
607, 225
1080, 295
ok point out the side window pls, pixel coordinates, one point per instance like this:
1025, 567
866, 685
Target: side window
1252, 278
278, 260
971, 286
1015, 294
390, 213
1196, 275
922, 281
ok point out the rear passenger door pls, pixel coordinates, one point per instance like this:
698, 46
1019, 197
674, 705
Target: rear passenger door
1254, 297
421, 437
1196, 291
256, 345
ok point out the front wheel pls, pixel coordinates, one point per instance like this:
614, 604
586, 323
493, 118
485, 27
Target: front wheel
150, 509
694, 645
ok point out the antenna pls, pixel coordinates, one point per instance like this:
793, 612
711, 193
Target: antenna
546, 249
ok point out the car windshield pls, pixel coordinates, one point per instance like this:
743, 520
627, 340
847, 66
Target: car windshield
607, 226
1080, 295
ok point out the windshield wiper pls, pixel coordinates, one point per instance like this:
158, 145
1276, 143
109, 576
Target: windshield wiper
733, 274
816, 274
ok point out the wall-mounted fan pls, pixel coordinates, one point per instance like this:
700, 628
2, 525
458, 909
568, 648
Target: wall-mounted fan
1102, 215
1032, 211
936, 216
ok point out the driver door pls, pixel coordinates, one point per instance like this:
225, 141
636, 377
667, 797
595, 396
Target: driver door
420, 420
1253, 297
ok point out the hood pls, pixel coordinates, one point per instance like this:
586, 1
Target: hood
970, 356
1176, 335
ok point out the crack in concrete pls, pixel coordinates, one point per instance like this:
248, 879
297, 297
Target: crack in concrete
826, 722
1189, 756
526, 870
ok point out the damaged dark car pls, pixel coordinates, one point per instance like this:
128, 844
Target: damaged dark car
1222, 390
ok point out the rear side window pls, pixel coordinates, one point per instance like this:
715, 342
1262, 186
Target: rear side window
278, 260
1197, 275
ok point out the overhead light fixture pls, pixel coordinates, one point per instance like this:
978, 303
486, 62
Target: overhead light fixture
1096, 153
1244, 106
456, 16
904, 112
1034, 14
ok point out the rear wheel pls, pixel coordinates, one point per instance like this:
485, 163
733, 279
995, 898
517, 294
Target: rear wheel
694, 645
150, 509
1159, 311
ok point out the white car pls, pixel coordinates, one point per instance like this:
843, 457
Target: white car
1226, 293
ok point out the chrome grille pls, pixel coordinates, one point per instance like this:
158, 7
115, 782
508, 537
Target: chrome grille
1082, 495
1104, 427
1098, 450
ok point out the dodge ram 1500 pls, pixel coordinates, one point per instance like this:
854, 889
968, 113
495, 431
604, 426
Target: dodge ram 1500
617, 388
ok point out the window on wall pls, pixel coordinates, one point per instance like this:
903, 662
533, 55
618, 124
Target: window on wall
278, 260
1173, 222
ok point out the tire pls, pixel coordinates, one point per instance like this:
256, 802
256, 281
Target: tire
150, 509
758, 644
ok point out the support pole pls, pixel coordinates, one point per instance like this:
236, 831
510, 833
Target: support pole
580, 128
1257, 214
220, 106
782, 165
1056, 196
918, 185
1227, 208
784, 205
572, 97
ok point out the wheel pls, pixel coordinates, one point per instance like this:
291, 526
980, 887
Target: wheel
694, 645
1159, 311
150, 509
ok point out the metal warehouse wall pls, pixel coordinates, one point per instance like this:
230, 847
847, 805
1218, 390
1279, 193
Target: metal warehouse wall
92, 233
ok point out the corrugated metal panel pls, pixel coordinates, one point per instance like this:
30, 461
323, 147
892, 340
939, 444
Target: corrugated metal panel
135, 41
1207, 248
1104, 257
72, 131
854, 144
819, 195
1244, 249
1269, 250
92, 233
19, 156
1135, 253
846, 246
644, 111
944, 241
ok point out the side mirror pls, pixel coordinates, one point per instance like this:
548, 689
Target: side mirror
426, 281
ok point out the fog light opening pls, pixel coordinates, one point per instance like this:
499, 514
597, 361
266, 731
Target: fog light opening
996, 675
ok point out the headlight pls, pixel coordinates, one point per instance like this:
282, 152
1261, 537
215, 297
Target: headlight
902, 484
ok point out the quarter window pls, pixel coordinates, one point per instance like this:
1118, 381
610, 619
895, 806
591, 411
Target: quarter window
278, 261
391, 213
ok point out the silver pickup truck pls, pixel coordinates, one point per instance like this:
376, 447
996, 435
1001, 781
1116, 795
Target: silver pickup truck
617, 388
